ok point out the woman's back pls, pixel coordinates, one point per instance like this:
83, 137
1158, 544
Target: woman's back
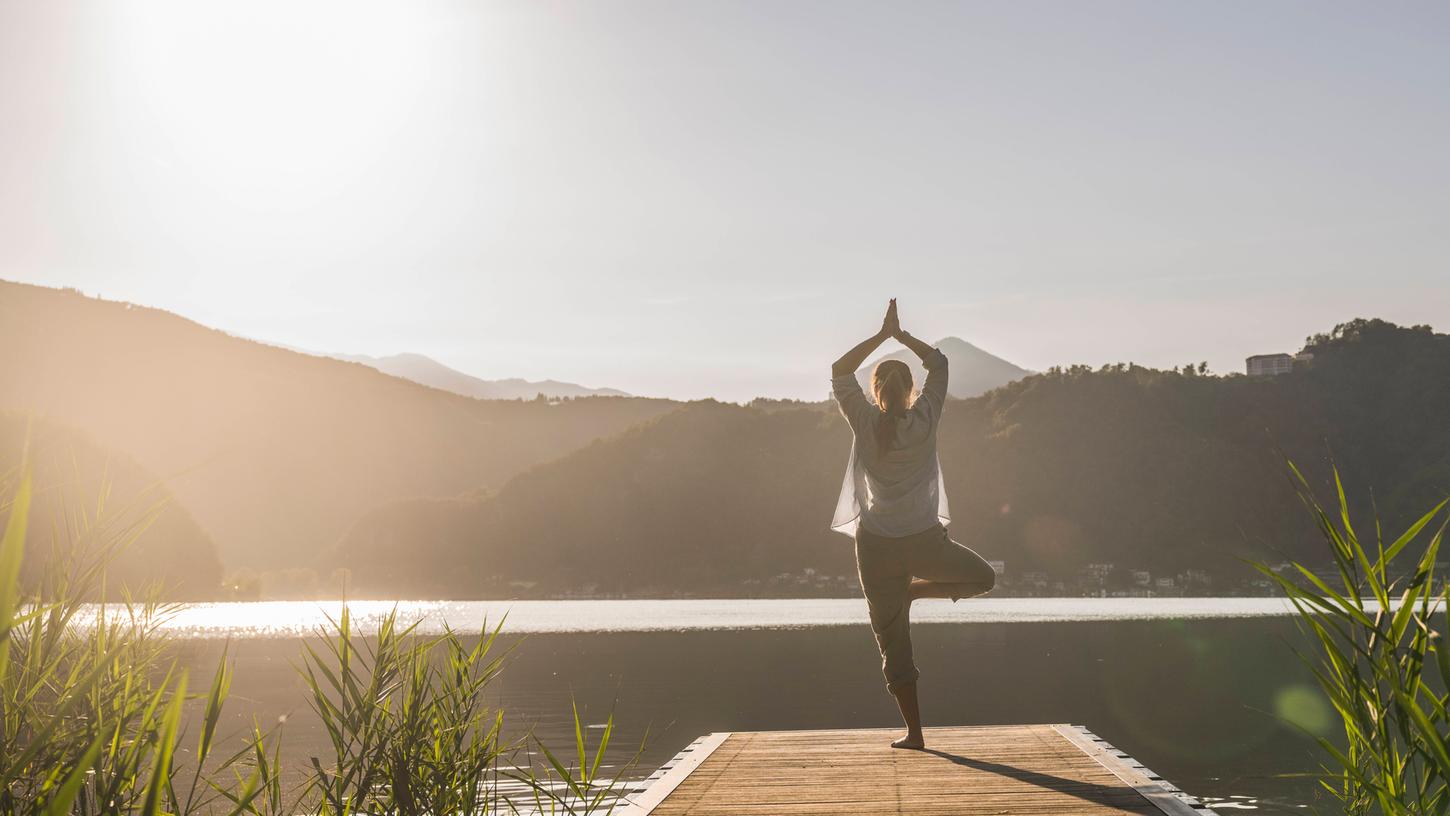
893, 489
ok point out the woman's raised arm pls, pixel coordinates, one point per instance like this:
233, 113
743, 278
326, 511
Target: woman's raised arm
919, 348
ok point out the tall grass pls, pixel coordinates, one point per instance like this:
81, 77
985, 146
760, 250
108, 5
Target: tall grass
87, 725
95, 709
408, 735
1382, 663
578, 789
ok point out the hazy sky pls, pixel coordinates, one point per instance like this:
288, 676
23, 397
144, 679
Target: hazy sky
716, 198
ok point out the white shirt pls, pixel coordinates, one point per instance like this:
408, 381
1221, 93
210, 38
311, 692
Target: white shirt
901, 493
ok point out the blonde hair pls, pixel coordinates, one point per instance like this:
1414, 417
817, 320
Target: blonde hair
891, 386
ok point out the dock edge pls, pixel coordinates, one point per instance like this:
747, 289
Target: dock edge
1164, 795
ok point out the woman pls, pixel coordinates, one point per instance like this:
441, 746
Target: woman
893, 502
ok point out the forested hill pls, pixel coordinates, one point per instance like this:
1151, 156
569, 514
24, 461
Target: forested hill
102, 504
275, 453
1148, 469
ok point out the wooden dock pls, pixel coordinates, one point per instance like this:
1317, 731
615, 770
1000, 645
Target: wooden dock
967, 771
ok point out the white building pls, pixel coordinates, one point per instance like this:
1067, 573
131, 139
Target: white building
1270, 365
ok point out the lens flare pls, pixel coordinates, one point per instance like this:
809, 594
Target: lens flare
1304, 706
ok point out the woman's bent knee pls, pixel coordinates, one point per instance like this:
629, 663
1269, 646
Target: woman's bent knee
989, 582
984, 585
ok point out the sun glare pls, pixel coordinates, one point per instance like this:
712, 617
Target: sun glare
270, 101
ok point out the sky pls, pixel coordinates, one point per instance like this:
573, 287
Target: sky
694, 199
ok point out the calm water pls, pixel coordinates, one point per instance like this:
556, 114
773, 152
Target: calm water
1193, 688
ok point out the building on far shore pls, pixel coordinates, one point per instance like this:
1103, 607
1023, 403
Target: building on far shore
1269, 365
1272, 365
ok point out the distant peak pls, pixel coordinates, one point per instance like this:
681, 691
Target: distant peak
956, 341
421, 368
974, 370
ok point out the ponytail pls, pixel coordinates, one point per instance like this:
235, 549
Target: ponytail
891, 385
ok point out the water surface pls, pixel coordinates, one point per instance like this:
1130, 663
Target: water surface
1196, 689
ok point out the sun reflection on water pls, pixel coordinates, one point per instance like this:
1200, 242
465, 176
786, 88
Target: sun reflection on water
278, 619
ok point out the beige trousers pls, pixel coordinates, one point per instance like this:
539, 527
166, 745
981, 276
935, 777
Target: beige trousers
886, 567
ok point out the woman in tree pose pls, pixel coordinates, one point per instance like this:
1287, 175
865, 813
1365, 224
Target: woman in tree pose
893, 502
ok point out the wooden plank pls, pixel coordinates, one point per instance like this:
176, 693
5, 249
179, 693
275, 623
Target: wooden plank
1031, 770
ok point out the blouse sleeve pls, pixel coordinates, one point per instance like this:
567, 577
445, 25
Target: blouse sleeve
934, 390
852, 401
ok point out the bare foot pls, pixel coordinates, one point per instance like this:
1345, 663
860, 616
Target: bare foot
912, 741
922, 588
917, 590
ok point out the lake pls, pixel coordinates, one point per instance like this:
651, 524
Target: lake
1195, 688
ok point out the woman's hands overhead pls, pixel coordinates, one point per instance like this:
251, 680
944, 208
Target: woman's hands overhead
852, 360
891, 325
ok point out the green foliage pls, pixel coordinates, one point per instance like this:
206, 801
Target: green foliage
91, 707
1383, 665
576, 790
93, 711
406, 719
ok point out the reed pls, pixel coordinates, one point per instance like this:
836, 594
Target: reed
1382, 664
94, 712
577, 790
407, 722
90, 709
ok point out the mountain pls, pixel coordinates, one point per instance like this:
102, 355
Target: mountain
430, 372
274, 453
973, 371
86, 497
1155, 470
